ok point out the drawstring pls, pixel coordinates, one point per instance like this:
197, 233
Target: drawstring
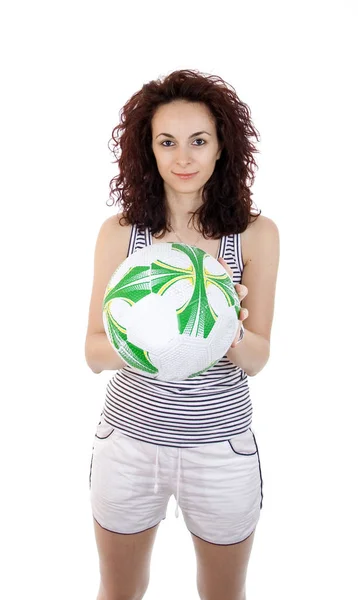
178, 478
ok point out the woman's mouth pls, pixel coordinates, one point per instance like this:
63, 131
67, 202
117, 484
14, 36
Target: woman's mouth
185, 176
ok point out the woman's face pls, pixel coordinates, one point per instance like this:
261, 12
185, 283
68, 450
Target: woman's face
177, 150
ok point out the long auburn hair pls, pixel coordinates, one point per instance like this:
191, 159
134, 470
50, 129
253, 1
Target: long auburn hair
226, 197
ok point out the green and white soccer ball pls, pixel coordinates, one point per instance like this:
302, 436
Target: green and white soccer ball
171, 311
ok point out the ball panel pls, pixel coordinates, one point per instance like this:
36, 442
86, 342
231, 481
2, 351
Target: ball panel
145, 323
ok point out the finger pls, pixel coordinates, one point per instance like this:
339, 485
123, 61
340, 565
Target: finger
242, 290
244, 313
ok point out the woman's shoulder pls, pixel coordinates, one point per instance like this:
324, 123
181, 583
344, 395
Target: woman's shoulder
259, 228
115, 222
118, 233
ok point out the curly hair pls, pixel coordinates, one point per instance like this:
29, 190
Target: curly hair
226, 197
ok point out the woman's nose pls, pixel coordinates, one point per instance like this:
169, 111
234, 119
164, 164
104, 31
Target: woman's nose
183, 155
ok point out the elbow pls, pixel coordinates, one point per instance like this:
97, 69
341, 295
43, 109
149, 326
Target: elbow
90, 363
92, 367
253, 372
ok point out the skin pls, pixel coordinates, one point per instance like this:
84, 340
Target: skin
183, 153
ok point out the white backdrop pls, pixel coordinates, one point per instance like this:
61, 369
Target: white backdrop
67, 69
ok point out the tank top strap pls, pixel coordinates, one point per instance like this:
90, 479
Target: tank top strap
222, 247
238, 250
232, 249
138, 238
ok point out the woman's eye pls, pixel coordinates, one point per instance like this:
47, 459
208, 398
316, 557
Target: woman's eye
197, 139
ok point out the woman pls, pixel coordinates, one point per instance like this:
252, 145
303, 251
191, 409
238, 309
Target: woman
189, 438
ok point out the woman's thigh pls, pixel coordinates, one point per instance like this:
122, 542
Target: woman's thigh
221, 570
124, 561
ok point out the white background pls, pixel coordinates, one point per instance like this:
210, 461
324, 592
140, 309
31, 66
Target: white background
67, 69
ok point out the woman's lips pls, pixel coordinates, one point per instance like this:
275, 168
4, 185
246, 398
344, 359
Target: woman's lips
185, 176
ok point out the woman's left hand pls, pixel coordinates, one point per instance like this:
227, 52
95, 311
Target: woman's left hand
242, 291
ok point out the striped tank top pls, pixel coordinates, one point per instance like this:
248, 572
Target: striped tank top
209, 408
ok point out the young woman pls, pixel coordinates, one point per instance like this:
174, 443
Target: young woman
185, 169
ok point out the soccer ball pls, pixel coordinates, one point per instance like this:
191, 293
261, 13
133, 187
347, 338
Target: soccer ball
171, 311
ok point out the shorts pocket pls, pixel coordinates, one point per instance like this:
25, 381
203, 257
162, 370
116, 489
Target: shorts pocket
104, 430
243, 443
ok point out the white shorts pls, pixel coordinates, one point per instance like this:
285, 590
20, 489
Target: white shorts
217, 486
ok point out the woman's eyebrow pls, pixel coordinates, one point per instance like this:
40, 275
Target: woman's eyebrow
190, 136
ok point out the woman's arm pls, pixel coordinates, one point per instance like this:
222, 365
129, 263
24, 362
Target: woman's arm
110, 251
251, 354
259, 276
100, 355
